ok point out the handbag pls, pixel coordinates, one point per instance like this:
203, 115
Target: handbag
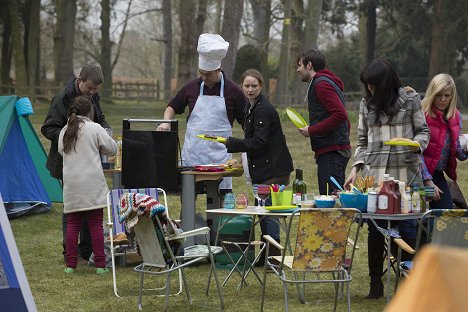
457, 195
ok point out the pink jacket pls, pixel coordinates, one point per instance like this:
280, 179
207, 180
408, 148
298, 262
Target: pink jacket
433, 151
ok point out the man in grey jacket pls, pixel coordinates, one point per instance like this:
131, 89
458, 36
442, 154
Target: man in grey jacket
87, 83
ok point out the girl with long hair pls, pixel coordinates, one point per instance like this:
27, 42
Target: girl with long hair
85, 189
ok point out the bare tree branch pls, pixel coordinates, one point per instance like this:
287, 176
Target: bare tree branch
122, 35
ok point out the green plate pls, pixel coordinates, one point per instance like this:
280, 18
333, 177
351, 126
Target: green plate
296, 118
401, 143
290, 208
217, 139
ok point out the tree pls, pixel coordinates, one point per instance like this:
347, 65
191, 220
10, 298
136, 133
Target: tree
64, 39
247, 57
22, 86
289, 89
261, 34
106, 46
6, 48
167, 41
230, 32
449, 48
190, 12
370, 8
31, 41
312, 24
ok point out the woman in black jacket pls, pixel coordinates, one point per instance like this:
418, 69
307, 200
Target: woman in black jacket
264, 141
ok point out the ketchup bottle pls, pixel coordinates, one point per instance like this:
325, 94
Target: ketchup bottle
386, 203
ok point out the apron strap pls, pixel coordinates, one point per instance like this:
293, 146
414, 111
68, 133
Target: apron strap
221, 93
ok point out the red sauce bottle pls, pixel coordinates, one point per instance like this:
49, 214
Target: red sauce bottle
386, 201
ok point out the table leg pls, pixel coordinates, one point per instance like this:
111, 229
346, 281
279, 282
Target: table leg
212, 202
389, 261
117, 180
246, 254
188, 206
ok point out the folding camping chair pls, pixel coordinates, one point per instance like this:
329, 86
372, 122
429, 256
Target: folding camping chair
159, 259
320, 248
115, 227
448, 227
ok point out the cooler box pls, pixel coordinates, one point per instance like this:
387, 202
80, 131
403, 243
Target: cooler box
236, 230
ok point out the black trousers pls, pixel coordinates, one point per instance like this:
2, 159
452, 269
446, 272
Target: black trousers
331, 164
376, 243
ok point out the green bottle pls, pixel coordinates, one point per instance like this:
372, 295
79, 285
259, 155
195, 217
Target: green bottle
299, 187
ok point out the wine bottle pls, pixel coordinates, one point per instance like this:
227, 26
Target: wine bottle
299, 187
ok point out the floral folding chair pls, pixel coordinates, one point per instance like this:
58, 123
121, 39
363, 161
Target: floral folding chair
444, 227
320, 252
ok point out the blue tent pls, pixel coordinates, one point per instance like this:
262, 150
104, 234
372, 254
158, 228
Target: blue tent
15, 294
25, 183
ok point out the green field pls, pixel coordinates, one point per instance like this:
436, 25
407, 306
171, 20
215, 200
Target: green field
39, 241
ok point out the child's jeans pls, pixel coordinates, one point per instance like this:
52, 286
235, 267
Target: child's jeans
74, 220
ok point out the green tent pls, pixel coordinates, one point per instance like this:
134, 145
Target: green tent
25, 183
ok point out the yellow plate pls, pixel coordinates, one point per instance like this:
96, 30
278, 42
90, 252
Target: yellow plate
290, 208
401, 143
218, 139
296, 118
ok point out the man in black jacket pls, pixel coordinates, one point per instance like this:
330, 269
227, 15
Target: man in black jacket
86, 84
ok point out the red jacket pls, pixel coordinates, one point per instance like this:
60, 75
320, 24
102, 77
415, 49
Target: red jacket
438, 127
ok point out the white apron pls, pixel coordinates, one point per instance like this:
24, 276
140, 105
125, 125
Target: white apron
209, 116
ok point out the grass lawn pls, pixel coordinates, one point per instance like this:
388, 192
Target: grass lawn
39, 241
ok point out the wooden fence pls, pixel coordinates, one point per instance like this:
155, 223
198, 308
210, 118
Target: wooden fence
152, 91
137, 91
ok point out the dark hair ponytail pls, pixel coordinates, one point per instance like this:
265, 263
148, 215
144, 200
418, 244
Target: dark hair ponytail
81, 106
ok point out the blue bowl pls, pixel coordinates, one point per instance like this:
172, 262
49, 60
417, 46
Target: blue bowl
325, 203
349, 200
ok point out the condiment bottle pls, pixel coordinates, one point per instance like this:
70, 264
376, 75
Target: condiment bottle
404, 207
408, 199
422, 194
386, 201
415, 199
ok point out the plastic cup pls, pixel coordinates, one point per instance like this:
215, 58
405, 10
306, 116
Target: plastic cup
308, 200
283, 198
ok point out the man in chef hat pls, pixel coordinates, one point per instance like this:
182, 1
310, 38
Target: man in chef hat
214, 101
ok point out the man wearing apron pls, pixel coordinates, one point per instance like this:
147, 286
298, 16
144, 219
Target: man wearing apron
214, 102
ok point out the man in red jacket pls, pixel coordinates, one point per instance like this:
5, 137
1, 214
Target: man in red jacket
328, 120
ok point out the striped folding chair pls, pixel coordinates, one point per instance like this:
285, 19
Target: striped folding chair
122, 249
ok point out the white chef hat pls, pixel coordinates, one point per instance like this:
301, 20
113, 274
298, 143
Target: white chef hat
212, 48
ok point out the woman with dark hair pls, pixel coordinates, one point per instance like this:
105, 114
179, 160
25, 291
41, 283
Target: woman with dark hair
269, 160
85, 189
387, 111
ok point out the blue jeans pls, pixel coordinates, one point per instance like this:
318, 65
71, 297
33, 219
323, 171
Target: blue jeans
331, 164
269, 225
446, 200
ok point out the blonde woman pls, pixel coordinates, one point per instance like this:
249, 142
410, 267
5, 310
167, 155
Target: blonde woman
445, 123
